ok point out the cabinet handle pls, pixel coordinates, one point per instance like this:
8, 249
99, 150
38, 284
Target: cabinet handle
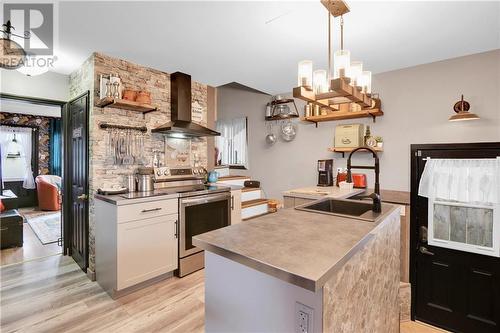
176, 229
232, 202
151, 210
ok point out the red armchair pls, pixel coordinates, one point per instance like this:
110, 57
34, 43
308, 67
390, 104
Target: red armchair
47, 187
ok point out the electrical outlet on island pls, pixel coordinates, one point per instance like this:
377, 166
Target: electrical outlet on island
303, 318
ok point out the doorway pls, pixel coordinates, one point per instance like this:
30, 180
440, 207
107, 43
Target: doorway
30, 149
457, 290
66, 195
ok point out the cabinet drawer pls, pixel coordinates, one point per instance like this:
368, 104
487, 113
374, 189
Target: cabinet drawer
146, 210
145, 249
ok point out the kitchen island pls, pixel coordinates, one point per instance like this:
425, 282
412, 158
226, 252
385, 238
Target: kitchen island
295, 268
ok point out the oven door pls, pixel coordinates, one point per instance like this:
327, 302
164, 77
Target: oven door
201, 214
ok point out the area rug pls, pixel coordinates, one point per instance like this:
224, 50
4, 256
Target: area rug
47, 227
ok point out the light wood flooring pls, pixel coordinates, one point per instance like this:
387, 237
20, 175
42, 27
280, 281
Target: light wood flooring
32, 249
53, 295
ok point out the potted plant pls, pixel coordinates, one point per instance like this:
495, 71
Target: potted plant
380, 141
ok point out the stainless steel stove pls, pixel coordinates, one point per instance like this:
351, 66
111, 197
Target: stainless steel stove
202, 208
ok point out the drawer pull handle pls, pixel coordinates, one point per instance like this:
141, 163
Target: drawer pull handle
151, 210
176, 229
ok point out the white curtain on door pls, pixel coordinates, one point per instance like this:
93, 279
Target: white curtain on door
23, 137
462, 180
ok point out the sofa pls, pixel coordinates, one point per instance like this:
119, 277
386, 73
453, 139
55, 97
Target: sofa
48, 188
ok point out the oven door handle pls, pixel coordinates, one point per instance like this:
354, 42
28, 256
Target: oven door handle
205, 199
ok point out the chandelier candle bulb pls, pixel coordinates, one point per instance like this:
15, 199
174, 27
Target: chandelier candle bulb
341, 63
355, 73
366, 82
319, 81
305, 74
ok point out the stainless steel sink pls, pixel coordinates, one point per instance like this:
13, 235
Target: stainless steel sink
356, 209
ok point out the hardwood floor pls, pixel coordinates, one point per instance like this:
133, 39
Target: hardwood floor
416, 327
53, 295
32, 249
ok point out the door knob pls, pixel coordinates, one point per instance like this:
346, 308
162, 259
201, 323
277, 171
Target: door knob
424, 250
82, 197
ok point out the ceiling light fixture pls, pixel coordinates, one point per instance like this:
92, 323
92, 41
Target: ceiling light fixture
462, 108
349, 88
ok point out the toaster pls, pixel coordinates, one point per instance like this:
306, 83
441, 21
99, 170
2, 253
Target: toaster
359, 179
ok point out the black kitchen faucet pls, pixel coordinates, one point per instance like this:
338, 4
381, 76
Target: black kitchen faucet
375, 196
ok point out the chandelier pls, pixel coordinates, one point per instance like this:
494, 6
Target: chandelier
348, 89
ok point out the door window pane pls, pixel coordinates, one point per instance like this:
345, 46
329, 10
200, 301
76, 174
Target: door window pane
461, 224
441, 222
480, 226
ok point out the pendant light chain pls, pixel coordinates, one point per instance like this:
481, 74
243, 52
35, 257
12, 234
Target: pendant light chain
342, 32
329, 74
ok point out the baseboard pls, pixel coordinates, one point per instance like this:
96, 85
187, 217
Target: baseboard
90, 274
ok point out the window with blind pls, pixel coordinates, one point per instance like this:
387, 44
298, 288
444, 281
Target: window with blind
232, 144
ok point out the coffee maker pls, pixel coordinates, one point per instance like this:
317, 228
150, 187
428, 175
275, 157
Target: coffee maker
325, 172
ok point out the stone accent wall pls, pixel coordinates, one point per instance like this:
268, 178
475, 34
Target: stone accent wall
43, 124
363, 295
102, 170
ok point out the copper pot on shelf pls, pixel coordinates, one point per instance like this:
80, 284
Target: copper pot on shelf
129, 95
143, 97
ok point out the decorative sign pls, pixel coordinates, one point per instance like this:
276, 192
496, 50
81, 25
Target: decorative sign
77, 132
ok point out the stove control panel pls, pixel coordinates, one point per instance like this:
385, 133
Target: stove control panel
166, 173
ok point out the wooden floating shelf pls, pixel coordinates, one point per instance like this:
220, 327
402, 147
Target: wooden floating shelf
115, 103
348, 150
340, 115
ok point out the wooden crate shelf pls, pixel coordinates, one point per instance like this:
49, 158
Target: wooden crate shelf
341, 115
111, 102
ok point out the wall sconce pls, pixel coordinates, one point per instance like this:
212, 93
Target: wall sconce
462, 111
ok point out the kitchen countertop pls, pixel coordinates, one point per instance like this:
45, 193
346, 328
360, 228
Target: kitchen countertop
317, 192
390, 196
119, 200
159, 194
299, 247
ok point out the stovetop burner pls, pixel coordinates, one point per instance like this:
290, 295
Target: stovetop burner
183, 191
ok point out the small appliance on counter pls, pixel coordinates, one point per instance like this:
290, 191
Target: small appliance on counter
213, 177
359, 179
349, 136
325, 172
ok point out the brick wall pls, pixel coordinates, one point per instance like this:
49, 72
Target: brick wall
102, 170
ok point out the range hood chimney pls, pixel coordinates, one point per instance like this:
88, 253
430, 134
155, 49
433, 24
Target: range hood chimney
181, 124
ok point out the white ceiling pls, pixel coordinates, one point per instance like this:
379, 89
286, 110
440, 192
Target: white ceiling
259, 43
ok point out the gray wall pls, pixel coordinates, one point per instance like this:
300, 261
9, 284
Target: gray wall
417, 102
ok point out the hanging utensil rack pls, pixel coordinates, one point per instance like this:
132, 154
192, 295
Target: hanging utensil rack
143, 129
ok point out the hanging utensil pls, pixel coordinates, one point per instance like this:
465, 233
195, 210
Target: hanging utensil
270, 137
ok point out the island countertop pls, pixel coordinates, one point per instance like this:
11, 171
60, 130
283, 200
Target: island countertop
299, 247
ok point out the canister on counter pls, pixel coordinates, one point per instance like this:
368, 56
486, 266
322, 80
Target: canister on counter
317, 110
307, 110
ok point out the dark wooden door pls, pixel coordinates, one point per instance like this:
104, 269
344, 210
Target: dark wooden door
454, 290
76, 180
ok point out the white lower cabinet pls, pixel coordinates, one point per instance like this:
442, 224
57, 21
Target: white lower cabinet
135, 243
235, 206
146, 249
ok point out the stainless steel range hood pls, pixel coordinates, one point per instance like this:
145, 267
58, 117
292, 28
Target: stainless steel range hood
181, 124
